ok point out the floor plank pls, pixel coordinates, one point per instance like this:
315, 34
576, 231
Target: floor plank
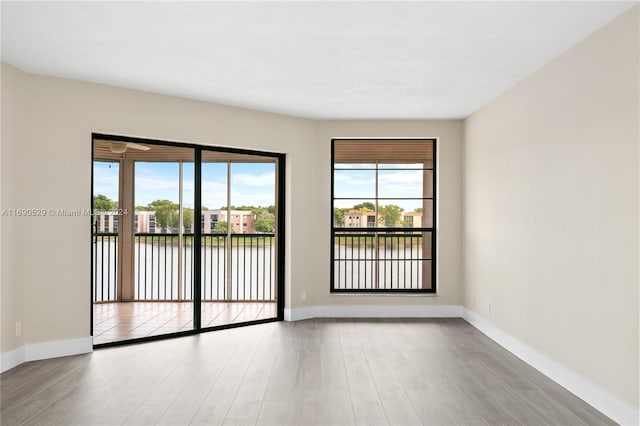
313, 372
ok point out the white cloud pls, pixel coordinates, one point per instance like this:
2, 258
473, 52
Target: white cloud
214, 194
400, 183
254, 199
342, 179
155, 184
263, 179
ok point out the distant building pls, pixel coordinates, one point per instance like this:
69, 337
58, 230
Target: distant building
242, 222
359, 219
145, 222
106, 222
412, 219
367, 219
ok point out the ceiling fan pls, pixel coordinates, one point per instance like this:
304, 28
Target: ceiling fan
121, 147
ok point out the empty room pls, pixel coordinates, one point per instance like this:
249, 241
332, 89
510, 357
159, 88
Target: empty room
320, 213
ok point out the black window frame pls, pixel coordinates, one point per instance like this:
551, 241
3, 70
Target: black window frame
432, 229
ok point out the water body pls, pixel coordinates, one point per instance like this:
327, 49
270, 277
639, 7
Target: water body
361, 268
251, 271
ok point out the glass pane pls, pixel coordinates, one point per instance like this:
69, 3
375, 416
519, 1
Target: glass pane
428, 183
105, 185
354, 255
392, 213
402, 259
214, 236
427, 221
253, 197
354, 166
426, 275
382, 260
252, 220
156, 192
188, 197
163, 265
105, 238
400, 183
214, 198
425, 252
354, 183
412, 219
238, 245
354, 214
397, 166
156, 260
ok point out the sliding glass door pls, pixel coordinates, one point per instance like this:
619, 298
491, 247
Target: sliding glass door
163, 241
197, 244
238, 240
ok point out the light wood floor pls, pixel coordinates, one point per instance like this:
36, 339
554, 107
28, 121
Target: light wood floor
340, 372
113, 322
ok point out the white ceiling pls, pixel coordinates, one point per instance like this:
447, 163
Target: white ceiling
340, 60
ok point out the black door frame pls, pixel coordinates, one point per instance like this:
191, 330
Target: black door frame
197, 242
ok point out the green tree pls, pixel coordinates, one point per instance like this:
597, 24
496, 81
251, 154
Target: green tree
264, 221
220, 228
102, 202
390, 214
367, 206
167, 217
252, 209
338, 216
187, 218
418, 210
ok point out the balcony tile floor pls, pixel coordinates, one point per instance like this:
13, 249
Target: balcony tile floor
131, 320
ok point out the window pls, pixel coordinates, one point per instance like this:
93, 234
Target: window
383, 204
408, 221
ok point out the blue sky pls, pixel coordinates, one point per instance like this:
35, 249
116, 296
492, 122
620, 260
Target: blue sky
353, 181
254, 183
251, 183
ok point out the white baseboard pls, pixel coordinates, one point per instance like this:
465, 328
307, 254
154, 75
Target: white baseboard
11, 359
373, 311
37, 351
615, 408
610, 405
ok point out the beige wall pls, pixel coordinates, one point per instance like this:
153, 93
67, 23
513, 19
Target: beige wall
551, 209
47, 163
15, 130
